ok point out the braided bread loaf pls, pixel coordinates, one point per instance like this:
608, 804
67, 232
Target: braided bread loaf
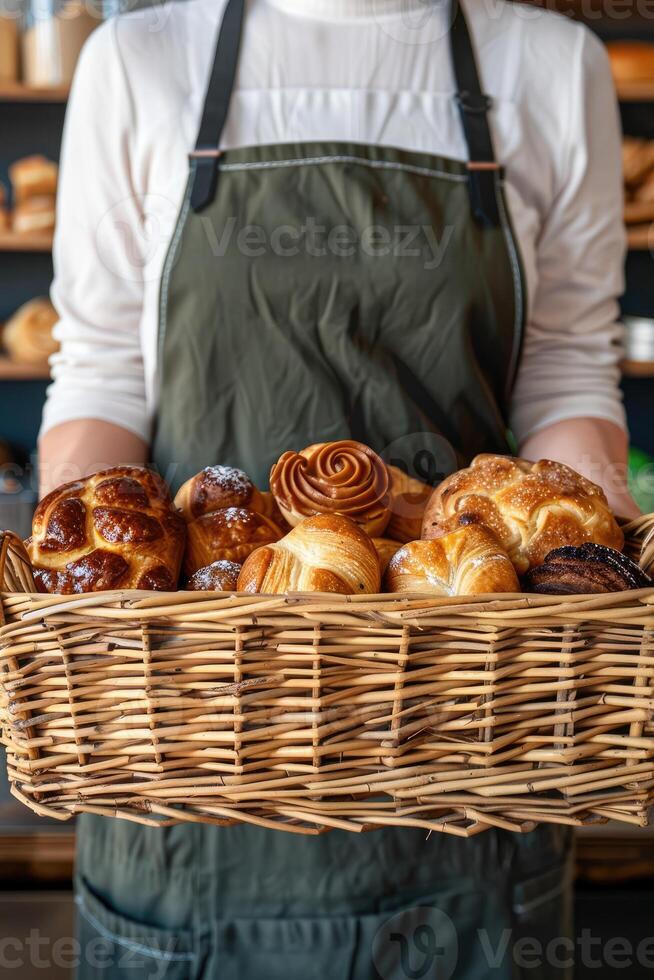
115, 529
533, 508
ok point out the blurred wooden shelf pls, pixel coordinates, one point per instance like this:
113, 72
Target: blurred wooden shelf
638, 369
17, 92
11, 241
636, 92
13, 371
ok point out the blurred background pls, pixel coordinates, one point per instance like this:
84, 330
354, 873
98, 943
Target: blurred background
39, 44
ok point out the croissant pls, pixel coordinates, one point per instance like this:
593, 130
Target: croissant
590, 569
468, 561
333, 478
327, 553
408, 501
533, 508
230, 534
115, 529
220, 576
218, 487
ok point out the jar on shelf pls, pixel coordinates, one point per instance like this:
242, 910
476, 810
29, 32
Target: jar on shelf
53, 36
9, 43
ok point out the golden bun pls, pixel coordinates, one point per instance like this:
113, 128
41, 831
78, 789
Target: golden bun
343, 477
220, 576
116, 529
468, 561
218, 487
326, 553
34, 215
533, 508
33, 176
27, 336
229, 534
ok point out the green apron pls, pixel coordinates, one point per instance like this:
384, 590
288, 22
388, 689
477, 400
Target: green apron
316, 292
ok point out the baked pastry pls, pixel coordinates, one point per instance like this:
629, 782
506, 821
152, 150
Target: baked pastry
117, 529
219, 576
33, 176
218, 487
408, 501
230, 534
386, 548
631, 61
27, 336
36, 214
468, 561
588, 570
531, 507
327, 553
343, 477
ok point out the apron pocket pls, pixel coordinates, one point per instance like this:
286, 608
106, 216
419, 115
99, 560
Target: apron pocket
542, 945
113, 947
416, 942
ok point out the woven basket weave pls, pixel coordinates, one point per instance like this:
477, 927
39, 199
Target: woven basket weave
309, 712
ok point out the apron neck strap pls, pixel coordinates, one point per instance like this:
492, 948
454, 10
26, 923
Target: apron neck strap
473, 104
216, 105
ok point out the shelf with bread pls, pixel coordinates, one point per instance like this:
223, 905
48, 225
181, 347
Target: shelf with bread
28, 225
26, 342
349, 648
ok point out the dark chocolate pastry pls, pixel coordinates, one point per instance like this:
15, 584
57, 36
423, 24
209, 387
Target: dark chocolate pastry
590, 569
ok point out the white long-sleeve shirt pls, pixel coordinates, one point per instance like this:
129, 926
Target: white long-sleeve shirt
370, 71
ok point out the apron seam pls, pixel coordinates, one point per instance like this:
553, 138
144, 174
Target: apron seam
343, 158
519, 320
170, 259
128, 943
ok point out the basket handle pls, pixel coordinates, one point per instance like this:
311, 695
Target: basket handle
15, 565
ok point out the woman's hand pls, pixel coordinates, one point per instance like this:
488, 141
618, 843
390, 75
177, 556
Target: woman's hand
75, 449
594, 447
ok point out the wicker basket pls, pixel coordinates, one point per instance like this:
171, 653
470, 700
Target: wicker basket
309, 712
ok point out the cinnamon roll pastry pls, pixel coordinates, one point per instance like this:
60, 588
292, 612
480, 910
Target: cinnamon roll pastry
327, 553
533, 508
344, 477
385, 549
468, 561
409, 498
219, 576
588, 570
230, 534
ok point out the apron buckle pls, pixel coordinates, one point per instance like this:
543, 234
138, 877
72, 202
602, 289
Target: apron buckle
204, 163
474, 103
